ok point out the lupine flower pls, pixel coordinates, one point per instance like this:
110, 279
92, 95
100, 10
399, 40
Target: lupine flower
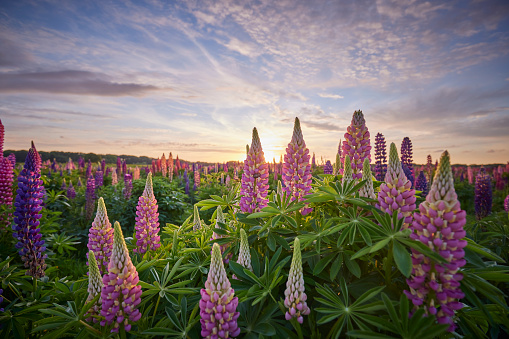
255, 179
506, 203
170, 167
6, 181
327, 168
128, 186
2, 135
408, 173
187, 182
164, 168
227, 180
347, 172
147, 220
218, 303
196, 219
95, 286
380, 157
177, 164
64, 186
221, 219
367, 190
439, 225
406, 154
90, 197
124, 167
483, 194
12, 159
295, 297
313, 161
422, 184
71, 192
338, 166
26, 217
296, 168
197, 177
114, 178
357, 144
49, 173
244, 254
100, 237
88, 171
98, 179
38, 159
470, 174
396, 194
121, 292
1, 290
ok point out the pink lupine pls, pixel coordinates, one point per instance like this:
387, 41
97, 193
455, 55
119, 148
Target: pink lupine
147, 220
121, 292
396, 194
164, 168
6, 197
95, 285
100, 237
295, 297
255, 179
439, 225
296, 168
218, 303
357, 144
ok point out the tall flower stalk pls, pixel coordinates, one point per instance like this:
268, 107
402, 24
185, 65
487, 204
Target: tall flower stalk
380, 157
147, 220
26, 217
295, 297
483, 194
357, 144
422, 184
90, 197
100, 237
121, 292
196, 219
439, 225
255, 179
218, 303
95, 285
244, 254
367, 190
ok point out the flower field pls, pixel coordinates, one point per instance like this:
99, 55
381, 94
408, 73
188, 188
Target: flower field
356, 247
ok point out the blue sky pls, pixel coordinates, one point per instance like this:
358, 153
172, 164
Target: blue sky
194, 77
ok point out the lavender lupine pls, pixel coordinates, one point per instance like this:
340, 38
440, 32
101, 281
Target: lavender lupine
380, 157
147, 220
90, 197
98, 179
255, 179
439, 225
422, 184
6, 181
357, 144
396, 194
26, 217
327, 168
128, 186
100, 237
71, 192
121, 292
296, 168
295, 297
367, 190
95, 286
196, 219
483, 194
506, 204
218, 303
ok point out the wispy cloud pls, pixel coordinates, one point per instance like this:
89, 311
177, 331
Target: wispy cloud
330, 96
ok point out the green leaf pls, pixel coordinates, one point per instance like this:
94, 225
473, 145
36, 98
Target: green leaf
379, 245
402, 258
353, 266
322, 264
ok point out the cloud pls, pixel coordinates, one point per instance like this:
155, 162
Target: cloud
69, 82
12, 55
330, 96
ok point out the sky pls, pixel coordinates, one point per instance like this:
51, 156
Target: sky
194, 77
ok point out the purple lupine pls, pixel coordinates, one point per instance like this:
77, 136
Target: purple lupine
121, 292
327, 168
296, 168
26, 217
313, 161
71, 192
90, 197
439, 225
295, 297
119, 166
6, 181
422, 184
483, 194
12, 159
255, 179
100, 237
218, 304
406, 158
408, 174
506, 204
380, 157
186, 178
357, 144
124, 167
396, 194
128, 186
147, 220
64, 186
80, 184
95, 285
1, 299
98, 179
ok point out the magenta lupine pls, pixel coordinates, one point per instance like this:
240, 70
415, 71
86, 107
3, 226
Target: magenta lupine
90, 197
367, 190
327, 168
218, 304
470, 174
147, 220
506, 204
71, 192
6, 181
128, 186
95, 286
483, 194
296, 168
26, 217
121, 292
295, 296
396, 194
439, 225
100, 237
2, 136
255, 179
380, 157
38, 159
357, 144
